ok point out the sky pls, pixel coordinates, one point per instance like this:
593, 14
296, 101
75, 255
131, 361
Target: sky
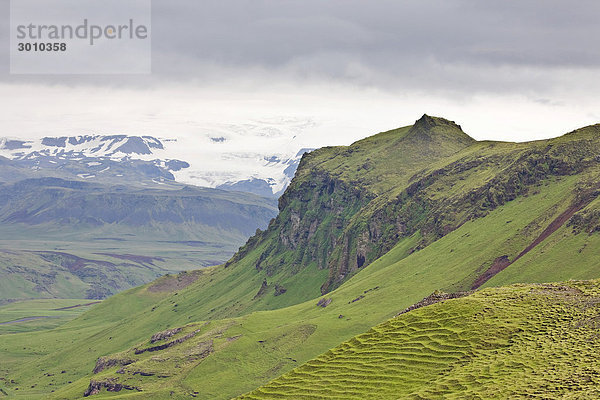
330, 72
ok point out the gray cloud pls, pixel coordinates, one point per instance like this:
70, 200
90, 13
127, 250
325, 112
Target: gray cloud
444, 45
273, 33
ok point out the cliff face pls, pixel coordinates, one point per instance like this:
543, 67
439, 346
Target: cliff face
347, 206
330, 216
313, 225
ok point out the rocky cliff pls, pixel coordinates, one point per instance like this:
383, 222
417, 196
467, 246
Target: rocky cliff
347, 206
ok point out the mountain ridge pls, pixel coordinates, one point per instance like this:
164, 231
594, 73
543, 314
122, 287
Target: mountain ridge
146, 160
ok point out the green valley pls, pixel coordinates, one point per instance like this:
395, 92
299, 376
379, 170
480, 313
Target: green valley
75, 239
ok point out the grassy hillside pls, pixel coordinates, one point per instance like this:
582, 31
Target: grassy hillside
350, 248
348, 206
31, 274
273, 342
523, 341
35, 315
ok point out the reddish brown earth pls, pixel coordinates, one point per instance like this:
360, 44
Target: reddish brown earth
175, 282
503, 262
498, 265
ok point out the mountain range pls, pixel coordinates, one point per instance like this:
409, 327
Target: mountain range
146, 160
92, 198
411, 264
83, 239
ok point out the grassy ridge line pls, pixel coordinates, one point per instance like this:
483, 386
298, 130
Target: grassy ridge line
510, 342
454, 258
336, 191
383, 161
347, 206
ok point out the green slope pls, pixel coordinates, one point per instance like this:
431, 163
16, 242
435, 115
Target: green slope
523, 341
420, 222
41, 314
29, 274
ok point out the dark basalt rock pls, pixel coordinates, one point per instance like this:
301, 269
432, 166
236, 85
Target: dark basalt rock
324, 302
103, 363
433, 298
109, 385
279, 290
164, 334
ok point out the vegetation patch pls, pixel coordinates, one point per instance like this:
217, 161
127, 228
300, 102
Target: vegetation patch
514, 342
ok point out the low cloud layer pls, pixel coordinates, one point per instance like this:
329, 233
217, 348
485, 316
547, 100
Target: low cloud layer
543, 52
380, 43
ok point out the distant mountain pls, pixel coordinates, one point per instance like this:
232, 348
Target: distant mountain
122, 195
63, 238
89, 205
265, 187
114, 159
144, 160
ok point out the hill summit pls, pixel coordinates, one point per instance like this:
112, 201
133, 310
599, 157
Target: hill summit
428, 127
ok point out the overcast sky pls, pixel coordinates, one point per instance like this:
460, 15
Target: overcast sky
506, 70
